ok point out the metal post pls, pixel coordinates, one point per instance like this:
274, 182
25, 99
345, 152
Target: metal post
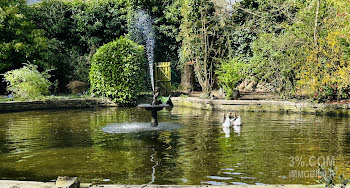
154, 119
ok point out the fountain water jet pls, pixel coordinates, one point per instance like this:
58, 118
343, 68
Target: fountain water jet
141, 30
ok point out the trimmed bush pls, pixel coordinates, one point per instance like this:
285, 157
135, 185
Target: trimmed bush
116, 71
28, 82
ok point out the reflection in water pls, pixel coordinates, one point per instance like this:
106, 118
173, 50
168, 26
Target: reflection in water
136, 127
236, 129
226, 131
189, 146
153, 167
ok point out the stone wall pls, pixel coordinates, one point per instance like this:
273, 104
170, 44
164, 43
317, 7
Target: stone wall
190, 102
263, 106
15, 106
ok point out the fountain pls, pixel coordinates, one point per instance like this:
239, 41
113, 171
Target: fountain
154, 107
141, 30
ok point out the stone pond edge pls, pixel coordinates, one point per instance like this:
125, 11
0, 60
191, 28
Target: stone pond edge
336, 109
190, 102
34, 184
17, 106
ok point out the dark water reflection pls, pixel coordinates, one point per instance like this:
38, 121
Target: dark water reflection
42, 145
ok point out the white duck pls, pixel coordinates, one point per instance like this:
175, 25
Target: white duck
236, 121
227, 121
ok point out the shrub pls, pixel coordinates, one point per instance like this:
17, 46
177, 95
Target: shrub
229, 74
324, 66
28, 82
116, 71
76, 86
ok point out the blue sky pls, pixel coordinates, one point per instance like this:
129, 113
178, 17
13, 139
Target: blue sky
32, 1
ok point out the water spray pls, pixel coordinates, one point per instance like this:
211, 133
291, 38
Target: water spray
141, 29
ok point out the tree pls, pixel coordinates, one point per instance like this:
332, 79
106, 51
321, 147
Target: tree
202, 40
326, 43
20, 40
79, 27
260, 35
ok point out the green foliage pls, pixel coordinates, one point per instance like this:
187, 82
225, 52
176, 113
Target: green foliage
290, 52
276, 41
239, 40
28, 82
20, 40
230, 73
79, 27
72, 23
252, 18
327, 92
258, 34
166, 17
107, 23
166, 21
325, 61
117, 71
273, 59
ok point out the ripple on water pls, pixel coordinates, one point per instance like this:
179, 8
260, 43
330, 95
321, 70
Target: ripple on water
239, 183
229, 169
250, 178
136, 127
219, 178
233, 173
213, 183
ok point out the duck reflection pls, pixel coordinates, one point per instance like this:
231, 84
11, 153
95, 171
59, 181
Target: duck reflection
226, 131
236, 129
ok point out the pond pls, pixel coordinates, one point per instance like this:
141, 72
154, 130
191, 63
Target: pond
110, 145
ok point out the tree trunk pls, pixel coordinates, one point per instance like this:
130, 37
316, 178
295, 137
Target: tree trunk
187, 78
316, 23
3, 85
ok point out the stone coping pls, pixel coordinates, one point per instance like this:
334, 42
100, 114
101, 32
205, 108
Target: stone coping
34, 184
190, 102
264, 106
16, 106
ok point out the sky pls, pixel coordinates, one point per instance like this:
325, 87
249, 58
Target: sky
33, 1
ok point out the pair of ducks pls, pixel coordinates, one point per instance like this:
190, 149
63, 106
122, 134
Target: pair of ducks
231, 120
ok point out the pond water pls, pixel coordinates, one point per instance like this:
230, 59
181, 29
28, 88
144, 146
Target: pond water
117, 145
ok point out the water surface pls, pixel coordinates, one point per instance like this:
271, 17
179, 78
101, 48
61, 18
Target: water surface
116, 145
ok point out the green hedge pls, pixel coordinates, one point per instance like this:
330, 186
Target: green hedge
117, 71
